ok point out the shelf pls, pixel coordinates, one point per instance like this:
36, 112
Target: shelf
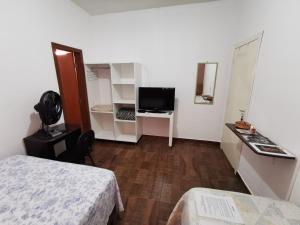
123, 101
156, 115
240, 136
102, 112
126, 137
98, 65
103, 125
124, 81
107, 135
123, 72
102, 109
125, 121
123, 92
97, 71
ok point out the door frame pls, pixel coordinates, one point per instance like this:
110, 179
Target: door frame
82, 90
249, 40
258, 37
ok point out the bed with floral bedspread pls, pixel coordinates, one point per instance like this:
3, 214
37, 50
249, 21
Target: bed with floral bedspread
36, 191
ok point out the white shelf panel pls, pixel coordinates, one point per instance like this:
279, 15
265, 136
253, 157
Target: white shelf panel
123, 101
126, 137
102, 112
156, 115
123, 81
125, 121
98, 65
103, 134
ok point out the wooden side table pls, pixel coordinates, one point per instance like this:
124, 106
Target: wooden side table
41, 145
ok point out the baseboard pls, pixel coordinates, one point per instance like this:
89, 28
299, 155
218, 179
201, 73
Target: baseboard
201, 141
174, 140
188, 139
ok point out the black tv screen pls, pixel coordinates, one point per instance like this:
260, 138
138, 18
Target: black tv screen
155, 98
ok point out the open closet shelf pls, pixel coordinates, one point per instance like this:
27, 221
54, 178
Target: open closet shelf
102, 112
124, 81
98, 66
102, 109
125, 121
124, 101
103, 134
126, 138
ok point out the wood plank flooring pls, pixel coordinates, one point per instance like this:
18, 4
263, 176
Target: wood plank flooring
152, 177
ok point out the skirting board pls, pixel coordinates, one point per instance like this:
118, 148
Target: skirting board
255, 184
194, 140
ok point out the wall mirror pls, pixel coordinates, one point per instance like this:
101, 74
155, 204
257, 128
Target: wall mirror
206, 82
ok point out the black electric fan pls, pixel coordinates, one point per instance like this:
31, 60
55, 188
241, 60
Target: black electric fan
50, 110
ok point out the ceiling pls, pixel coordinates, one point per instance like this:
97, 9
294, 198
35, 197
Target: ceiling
98, 7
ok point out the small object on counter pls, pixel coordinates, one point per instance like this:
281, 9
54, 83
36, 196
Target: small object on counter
242, 125
252, 129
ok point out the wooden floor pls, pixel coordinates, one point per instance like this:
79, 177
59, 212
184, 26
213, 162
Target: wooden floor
152, 177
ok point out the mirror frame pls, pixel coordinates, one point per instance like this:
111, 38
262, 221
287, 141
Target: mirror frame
215, 83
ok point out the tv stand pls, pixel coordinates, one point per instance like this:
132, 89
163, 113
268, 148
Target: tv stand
155, 111
167, 115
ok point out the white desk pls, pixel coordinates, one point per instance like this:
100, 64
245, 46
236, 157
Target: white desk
168, 115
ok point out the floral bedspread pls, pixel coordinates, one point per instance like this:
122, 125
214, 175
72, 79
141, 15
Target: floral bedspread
36, 191
254, 210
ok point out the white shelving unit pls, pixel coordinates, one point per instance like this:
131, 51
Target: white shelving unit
114, 84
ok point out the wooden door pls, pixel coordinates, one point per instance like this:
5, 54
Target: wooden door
71, 79
242, 77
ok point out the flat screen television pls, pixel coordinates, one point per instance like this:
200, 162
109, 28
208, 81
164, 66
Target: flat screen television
156, 99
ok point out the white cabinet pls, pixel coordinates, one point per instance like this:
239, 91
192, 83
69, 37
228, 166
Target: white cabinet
111, 87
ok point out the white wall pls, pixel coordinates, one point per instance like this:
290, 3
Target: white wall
169, 42
274, 108
27, 66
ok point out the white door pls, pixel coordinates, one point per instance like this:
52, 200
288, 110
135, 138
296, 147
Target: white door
242, 76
